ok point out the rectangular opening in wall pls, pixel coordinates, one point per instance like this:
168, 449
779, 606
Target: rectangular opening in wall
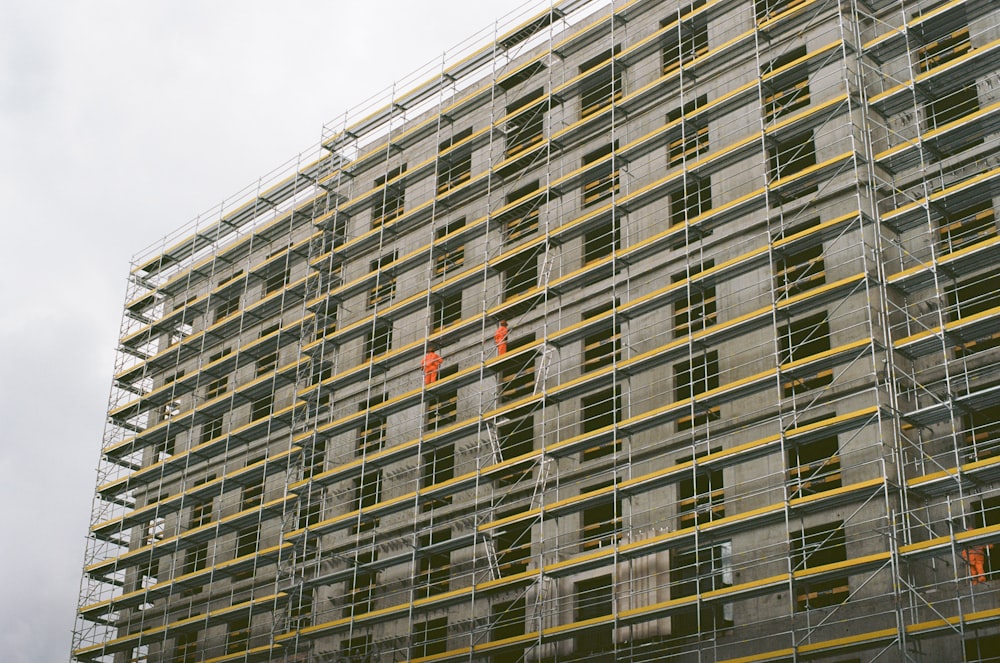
447, 309
210, 430
690, 137
594, 599
690, 201
520, 273
513, 544
600, 410
817, 546
371, 435
696, 571
367, 493
601, 521
696, 376
186, 647
356, 650
799, 340
388, 203
947, 47
268, 362
276, 281
701, 495
601, 182
379, 340
695, 310
454, 168
226, 307
507, 618
430, 637
238, 636
437, 466
602, 347
981, 432
603, 85
786, 91
790, 156
518, 379
950, 108
384, 290
433, 568
525, 124
814, 465
448, 257
798, 270
688, 38
252, 494
516, 438
360, 591
261, 408
768, 9
967, 226
521, 220
602, 239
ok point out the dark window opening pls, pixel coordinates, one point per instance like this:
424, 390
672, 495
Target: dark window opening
268, 362
981, 437
227, 307
525, 125
690, 138
701, 494
522, 219
693, 377
601, 522
238, 637
211, 429
814, 466
262, 407
384, 289
691, 201
367, 493
949, 108
799, 271
603, 86
507, 619
447, 309
697, 571
601, 182
696, 309
799, 340
516, 438
430, 637
310, 511
768, 9
379, 340
602, 347
360, 590
594, 599
277, 281
818, 546
448, 258
195, 558
388, 203
602, 240
791, 156
434, 568
300, 611
438, 466
513, 544
372, 434
356, 650
787, 91
518, 378
944, 50
688, 40
186, 647
455, 167
967, 226
314, 459
520, 274
600, 410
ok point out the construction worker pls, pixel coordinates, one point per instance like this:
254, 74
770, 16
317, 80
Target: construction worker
975, 557
430, 364
500, 337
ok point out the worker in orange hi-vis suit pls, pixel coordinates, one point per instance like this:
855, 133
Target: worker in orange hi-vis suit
500, 337
431, 363
975, 557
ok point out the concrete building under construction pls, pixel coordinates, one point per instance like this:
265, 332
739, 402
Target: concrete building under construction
749, 404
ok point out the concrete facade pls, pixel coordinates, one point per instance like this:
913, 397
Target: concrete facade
748, 411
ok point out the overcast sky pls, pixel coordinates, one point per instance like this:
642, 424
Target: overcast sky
119, 122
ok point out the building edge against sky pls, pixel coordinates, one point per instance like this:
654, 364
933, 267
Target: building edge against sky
748, 408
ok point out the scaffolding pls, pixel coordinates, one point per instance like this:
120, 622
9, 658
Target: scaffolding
747, 406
